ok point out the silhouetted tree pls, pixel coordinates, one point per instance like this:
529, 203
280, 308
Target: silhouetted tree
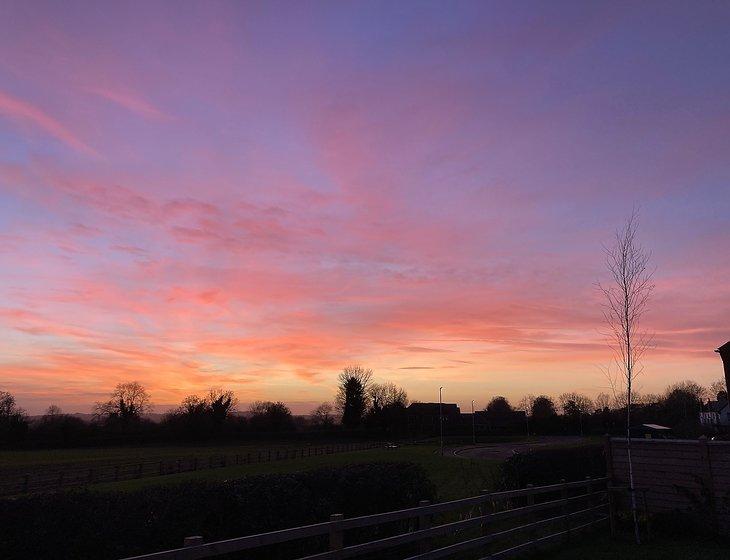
718, 390
525, 404
128, 401
386, 394
387, 413
352, 396
269, 416
322, 416
58, 429
499, 406
575, 406
681, 405
13, 421
221, 404
543, 408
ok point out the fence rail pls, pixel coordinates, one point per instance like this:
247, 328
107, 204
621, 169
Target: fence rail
58, 478
484, 515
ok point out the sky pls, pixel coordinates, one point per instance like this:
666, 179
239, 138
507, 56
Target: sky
254, 195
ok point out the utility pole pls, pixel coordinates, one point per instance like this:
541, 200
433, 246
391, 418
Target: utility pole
473, 425
527, 422
441, 421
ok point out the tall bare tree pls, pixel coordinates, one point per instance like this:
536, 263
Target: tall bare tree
626, 297
128, 401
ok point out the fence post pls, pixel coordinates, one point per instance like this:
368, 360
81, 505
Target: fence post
60, 478
608, 452
566, 518
591, 499
139, 470
192, 541
26, 482
708, 482
424, 522
336, 534
611, 508
530, 517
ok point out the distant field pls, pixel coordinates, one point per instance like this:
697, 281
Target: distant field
106, 455
453, 477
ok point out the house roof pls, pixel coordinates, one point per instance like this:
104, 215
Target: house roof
724, 348
656, 427
716, 406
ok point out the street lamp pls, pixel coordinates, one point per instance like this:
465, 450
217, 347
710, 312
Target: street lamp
473, 425
441, 421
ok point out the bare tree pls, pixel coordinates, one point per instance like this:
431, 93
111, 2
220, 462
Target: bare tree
526, 403
717, 389
128, 401
323, 415
625, 301
602, 401
387, 394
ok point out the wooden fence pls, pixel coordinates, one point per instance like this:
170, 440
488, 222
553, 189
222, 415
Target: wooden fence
78, 475
675, 475
478, 523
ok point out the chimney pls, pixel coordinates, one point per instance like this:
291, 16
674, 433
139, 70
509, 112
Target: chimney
724, 352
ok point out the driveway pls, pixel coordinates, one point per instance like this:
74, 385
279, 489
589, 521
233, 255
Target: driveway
502, 451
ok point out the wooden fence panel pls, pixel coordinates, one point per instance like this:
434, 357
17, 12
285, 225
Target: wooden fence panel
684, 475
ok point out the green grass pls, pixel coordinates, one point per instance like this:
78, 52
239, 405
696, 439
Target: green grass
113, 455
454, 477
659, 548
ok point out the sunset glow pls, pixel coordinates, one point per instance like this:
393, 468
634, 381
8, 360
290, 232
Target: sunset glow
213, 194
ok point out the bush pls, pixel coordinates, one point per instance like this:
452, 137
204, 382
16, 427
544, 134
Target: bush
86, 524
550, 465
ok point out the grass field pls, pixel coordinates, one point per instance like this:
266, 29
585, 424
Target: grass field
95, 455
454, 477
659, 548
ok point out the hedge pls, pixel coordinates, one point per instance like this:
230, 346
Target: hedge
92, 524
550, 465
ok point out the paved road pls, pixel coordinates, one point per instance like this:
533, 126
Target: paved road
502, 451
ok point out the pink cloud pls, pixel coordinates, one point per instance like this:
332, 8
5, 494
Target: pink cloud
24, 112
132, 103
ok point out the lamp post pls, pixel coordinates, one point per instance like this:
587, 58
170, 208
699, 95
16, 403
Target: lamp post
473, 425
441, 421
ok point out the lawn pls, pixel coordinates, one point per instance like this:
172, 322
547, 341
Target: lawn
659, 548
454, 477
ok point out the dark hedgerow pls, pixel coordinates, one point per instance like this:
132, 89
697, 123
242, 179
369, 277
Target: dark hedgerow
100, 525
550, 465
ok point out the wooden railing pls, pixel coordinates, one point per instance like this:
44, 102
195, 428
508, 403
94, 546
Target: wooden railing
580, 505
79, 475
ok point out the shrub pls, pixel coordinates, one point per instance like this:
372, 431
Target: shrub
550, 465
87, 524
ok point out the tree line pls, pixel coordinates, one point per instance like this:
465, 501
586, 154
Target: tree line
361, 407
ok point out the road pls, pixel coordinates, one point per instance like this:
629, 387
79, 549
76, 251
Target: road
502, 451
